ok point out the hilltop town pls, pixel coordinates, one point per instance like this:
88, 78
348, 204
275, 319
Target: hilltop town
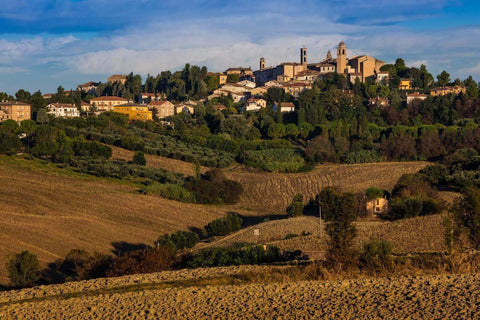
241, 85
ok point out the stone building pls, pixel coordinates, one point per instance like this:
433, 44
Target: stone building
362, 67
117, 78
164, 108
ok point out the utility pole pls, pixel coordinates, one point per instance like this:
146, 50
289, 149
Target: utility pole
320, 216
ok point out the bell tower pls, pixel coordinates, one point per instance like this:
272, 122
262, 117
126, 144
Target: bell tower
262, 64
341, 57
303, 56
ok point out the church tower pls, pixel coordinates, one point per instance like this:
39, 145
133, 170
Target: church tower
303, 56
341, 57
262, 64
329, 56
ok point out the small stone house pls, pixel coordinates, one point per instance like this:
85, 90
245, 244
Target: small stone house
377, 206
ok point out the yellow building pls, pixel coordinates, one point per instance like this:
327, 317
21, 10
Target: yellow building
405, 84
134, 111
442, 91
15, 110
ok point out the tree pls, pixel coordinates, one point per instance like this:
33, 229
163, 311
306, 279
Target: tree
443, 78
139, 158
342, 232
28, 127
23, 269
295, 208
466, 211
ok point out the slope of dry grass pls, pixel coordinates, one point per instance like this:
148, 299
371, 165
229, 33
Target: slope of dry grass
48, 212
271, 192
421, 297
421, 234
169, 164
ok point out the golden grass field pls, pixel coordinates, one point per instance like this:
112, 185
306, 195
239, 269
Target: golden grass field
420, 234
446, 296
271, 192
49, 211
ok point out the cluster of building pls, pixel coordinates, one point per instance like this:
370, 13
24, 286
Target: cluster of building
295, 77
435, 92
291, 77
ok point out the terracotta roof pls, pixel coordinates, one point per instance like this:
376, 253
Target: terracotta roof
296, 84
287, 105
157, 103
219, 107
108, 98
88, 84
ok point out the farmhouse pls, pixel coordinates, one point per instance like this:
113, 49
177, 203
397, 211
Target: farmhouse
377, 206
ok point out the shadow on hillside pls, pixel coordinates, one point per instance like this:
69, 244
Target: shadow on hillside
253, 220
122, 247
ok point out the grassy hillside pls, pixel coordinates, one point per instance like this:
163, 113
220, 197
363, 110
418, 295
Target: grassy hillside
421, 234
270, 192
49, 211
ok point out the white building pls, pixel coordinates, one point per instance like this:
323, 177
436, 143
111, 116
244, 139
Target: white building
255, 104
63, 110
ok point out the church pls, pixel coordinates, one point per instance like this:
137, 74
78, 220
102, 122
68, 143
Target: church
360, 67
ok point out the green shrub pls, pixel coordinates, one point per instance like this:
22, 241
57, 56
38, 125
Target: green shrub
295, 208
171, 191
139, 158
180, 239
374, 193
23, 269
376, 255
214, 188
232, 256
275, 160
362, 156
223, 226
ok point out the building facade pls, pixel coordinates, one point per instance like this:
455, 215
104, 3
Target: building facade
164, 108
14, 110
134, 111
106, 103
63, 110
117, 78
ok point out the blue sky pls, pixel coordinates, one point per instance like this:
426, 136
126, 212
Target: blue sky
46, 43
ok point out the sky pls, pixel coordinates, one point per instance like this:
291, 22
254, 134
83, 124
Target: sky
47, 43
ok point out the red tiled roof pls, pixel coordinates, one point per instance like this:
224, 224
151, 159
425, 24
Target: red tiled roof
88, 84
108, 98
157, 103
